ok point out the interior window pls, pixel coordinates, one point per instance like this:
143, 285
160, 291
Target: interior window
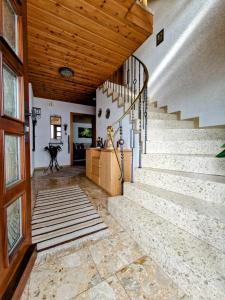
56, 127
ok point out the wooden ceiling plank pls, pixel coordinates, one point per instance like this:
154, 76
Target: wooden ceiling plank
51, 96
36, 43
46, 17
39, 90
71, 37
91, 12
56, 77
57, 92
67, 61
72, 46
56, 64
117, 10
80, 89
51, 71
59, 80
64, 15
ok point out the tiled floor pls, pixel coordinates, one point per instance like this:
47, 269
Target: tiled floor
112, 268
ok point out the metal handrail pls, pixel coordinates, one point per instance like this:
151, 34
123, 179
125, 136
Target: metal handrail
119, 121
140, 93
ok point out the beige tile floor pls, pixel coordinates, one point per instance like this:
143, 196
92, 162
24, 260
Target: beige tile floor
113, 268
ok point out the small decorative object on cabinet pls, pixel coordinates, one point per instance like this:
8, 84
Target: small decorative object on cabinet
110, 137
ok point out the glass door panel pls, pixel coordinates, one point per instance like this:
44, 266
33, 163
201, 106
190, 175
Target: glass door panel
14, 224
12, 159
10, 93
10, 25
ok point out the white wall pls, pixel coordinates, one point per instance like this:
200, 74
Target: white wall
187, 71
104, 102
76, 137
31, 131
48, 108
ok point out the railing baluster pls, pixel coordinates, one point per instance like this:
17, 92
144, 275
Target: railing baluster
146, 116
130, 82
121, 144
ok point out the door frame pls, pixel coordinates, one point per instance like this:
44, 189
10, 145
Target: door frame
16, 266
93, 118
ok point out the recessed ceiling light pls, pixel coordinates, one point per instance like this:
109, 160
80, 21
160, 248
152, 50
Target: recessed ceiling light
66, 72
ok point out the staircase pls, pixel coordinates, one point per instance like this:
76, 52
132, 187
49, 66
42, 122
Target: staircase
176, 208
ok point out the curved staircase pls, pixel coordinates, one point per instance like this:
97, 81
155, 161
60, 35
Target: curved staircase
176, 208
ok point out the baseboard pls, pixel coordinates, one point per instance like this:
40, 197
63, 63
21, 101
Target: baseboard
17, 284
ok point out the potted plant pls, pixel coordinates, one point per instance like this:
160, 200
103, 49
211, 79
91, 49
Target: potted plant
221, 154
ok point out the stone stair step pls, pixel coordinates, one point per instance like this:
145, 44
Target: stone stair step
161, 116
204, 164
156, 109
204, 220
206, 187
169, 124
120, 101
195, 266
208, 147
177, 134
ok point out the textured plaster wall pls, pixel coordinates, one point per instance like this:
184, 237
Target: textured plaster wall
187, 71
63, 109
31, 131
104, 102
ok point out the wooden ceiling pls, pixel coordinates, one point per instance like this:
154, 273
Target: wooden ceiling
93, 37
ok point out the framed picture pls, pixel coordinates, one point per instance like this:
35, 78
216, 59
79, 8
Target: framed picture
85, 133
159, 37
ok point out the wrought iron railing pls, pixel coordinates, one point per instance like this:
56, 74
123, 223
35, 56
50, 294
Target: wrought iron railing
128, 86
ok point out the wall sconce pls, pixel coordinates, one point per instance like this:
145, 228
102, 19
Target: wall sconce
35, 115
65, 128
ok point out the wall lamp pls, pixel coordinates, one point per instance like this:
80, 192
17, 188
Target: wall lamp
35, 115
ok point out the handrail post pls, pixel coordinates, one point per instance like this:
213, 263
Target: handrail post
132, 82
146, 116
140, 140
121, 143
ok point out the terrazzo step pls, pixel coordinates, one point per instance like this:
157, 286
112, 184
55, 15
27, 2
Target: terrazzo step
161, 116
210, 147
169, 124
156, 109
120, 101
205, 164
204, 220
177, 134
195, 266
206, 187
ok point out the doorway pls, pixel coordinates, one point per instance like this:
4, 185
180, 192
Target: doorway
82, 137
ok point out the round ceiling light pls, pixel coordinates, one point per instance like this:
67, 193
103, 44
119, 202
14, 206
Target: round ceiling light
66, 72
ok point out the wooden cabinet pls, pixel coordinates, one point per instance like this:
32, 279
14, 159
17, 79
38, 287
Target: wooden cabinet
102, 168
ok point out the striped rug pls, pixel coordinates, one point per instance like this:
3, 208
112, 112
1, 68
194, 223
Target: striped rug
62, 216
